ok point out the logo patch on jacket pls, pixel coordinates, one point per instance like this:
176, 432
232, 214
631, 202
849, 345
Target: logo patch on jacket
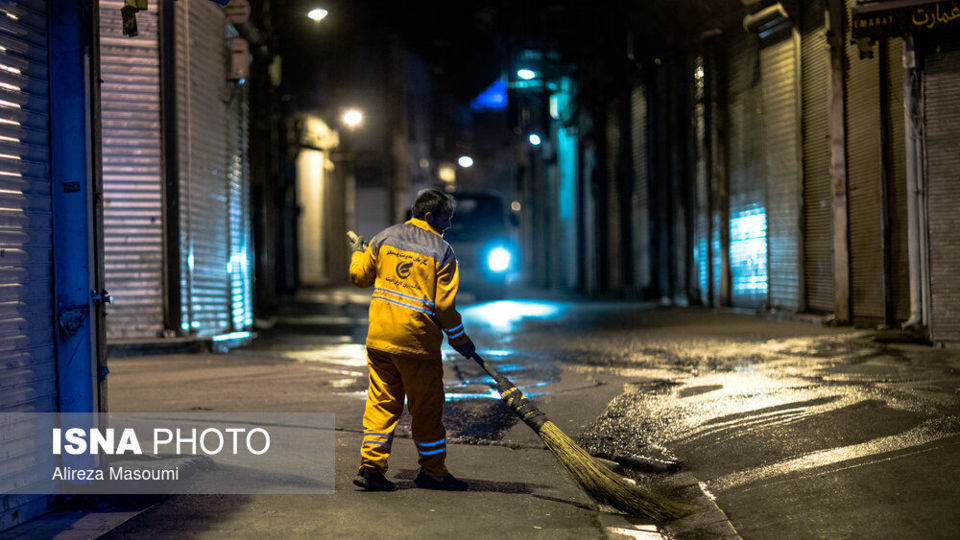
403, 269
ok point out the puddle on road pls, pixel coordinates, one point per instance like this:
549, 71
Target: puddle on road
473, 411
507, 315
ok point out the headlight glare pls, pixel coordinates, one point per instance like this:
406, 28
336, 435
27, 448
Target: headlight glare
498, 260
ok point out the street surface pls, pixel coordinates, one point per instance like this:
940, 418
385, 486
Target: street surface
796, 430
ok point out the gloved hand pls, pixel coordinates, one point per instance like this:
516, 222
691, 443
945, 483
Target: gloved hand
467, 348
356, 242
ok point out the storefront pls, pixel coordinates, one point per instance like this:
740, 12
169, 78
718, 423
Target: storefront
177, 237
50, 299
930, 135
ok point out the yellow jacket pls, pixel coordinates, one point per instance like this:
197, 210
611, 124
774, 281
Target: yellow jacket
415, 279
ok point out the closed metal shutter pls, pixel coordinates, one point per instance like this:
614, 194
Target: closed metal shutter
748, 214
900, 278
203, 159
614, 255
781, 126
239, 267
132, 204
817, 192
641, 213
941, 91
864, 184
701, 204
27, 362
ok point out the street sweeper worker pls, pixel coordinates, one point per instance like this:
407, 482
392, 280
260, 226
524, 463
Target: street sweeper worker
415, 279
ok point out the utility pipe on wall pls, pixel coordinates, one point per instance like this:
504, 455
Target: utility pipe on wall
914, 162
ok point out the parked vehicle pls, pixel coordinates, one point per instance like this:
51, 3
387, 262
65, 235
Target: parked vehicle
483, 236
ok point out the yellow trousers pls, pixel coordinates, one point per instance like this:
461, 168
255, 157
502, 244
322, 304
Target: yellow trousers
421, 380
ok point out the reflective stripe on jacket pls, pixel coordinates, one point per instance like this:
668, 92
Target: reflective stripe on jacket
415, 279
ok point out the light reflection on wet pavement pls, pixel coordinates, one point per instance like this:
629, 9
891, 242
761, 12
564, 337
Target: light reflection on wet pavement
748, 405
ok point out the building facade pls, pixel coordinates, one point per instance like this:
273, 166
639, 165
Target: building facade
52, 301
803, 160
177, 213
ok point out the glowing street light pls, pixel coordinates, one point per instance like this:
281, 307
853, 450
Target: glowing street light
465, 161
318, 14
352, 118
447, 173
526, 74
534, 139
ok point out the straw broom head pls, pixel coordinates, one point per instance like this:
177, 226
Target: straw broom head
604, 485
599, 482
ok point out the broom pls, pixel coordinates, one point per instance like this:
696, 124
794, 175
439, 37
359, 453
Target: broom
598, 481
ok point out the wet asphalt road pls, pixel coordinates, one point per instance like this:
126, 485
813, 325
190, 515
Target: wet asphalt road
798, 431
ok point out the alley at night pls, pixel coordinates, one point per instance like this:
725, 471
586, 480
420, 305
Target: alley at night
674, 269
798, 431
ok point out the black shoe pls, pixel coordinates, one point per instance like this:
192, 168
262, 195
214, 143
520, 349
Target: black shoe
371, 479
449, 483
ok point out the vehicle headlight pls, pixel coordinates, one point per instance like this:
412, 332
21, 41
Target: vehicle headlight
498, 260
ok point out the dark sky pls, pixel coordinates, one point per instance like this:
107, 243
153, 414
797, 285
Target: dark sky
465, 41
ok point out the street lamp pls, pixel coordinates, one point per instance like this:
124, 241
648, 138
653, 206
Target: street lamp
465, 161
352, 118
447, 173
318, 14
534, 139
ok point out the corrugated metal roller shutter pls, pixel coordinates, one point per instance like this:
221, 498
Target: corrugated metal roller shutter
641, 212
27, 362
614, 232
133, 215
817, 192
748, 215
203, 158
241, 302
863, 180
701, 216
941, 89
898, 219
780, 130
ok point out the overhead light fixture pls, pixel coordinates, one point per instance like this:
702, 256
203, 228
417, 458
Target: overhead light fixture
447, 173
318, 14
526, 74
534, 139
352, 118
465, 161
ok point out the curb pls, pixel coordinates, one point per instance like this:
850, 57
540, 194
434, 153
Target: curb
616, 527
790, 316
707, 520
123, 348
150, 347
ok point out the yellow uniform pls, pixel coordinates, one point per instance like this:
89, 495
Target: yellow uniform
415, 279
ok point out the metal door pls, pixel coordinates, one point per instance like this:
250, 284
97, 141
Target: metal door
941, 92
241, 249
781, 130
864, 184
27, 360
899, 279
132, 182
748, 213
640, 215
817, 189
203, 154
